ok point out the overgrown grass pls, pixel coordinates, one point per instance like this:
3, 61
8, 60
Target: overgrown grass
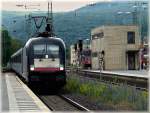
119, 97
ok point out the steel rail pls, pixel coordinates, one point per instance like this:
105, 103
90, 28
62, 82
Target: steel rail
50, 107
76, 105
79, 106
45, 101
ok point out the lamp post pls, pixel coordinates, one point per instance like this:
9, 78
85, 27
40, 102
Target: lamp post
101, 61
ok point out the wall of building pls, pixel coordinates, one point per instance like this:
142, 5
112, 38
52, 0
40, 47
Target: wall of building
114, 44
72, 55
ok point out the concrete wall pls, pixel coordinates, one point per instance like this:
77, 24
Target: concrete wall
114, 44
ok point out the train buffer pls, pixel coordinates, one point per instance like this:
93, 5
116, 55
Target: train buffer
15, 96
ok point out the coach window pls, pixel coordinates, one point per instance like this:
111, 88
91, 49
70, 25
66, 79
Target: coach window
16, 59
19, 58
131, 37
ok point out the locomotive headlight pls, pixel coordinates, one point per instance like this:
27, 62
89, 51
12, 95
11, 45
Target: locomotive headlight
32, 68
61, 67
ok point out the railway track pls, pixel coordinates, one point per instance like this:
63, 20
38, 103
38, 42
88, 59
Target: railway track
140, 83
61, 103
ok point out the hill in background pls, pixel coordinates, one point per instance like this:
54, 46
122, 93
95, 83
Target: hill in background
77, 24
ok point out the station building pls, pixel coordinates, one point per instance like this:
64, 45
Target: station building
115, 47
73, 56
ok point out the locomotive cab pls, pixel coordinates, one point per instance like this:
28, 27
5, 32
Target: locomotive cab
46, 60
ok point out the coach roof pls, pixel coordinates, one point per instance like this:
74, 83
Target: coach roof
16, 53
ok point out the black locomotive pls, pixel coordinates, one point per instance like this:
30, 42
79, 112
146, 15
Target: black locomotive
41, 60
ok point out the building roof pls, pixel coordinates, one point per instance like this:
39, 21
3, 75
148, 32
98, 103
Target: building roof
111, 26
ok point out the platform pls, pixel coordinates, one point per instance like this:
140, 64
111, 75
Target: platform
15, 96
129, 73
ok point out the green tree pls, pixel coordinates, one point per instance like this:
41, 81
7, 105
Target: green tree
15, 45
6, 47
9, 46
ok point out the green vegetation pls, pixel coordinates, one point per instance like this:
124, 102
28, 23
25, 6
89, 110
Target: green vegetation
9, 46
6, 47
15, 45
116, 97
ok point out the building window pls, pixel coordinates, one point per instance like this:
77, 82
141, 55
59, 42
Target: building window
131, 37
98, 35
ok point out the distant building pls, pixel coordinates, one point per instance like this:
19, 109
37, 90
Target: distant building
73, 55
86, 44
144, 54
80, 51
115, 47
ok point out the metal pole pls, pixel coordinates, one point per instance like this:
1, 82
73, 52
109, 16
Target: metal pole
49, 22
99, 54
48, 15
52, 19
140, 29
137, 21
29, 26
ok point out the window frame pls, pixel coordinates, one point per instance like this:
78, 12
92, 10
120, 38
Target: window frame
37, 53
47, 51
58, 53
131, 37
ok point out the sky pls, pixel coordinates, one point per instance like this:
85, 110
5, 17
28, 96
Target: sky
35, 5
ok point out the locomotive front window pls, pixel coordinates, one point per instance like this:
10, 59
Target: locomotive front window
39, 49
53, 51
87, 53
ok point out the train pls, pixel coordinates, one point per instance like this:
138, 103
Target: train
41, 60
86, 58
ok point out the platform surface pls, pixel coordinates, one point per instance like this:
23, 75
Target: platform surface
132, 73
15, 96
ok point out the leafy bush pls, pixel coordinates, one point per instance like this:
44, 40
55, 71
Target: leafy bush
119, 97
